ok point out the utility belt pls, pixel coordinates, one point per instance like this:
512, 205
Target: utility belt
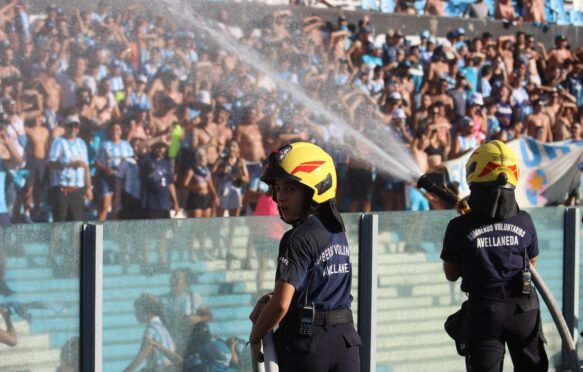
307, 317
333, 317
508, 291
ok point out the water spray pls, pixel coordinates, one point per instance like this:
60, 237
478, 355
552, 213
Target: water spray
386, 150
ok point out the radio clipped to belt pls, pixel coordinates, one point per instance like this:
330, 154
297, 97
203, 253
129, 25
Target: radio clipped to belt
525, 277
307, 313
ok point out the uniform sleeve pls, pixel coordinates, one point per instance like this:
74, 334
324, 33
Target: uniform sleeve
293, 263
451, 244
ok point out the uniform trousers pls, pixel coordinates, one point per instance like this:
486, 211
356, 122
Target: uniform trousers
329, 349
497, 318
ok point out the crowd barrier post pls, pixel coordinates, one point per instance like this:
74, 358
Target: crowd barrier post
571, 236
91, 312
367, 289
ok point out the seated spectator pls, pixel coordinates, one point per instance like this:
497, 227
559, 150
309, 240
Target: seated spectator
435, 8
534, 11
479, 10
504, 11
158, 349
183, 309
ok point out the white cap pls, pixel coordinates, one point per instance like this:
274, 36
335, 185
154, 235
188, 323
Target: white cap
476, 99
395, 96
72, 119
399, 114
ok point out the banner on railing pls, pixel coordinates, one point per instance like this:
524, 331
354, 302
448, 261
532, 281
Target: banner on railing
548, 171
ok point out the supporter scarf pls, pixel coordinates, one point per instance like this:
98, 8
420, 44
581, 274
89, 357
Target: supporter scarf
497, 203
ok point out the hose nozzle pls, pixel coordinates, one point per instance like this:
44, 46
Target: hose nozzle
444, 193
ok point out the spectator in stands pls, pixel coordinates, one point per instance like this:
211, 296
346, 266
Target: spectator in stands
202, 196
534, 11
8, 336
183, 309
435, 8
478, 9
208, 353
539, 122
230, 174
504, 10
108, 159
158, 349
158, 190
69, 356
70, 176
37, 149
128, 186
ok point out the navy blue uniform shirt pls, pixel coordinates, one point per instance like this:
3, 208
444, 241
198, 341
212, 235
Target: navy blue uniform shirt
490, 254
311, 249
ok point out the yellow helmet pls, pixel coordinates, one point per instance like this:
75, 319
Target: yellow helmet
492, 164
307, 164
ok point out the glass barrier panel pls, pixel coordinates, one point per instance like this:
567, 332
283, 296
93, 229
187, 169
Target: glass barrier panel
201, 276
39, 296
549, 226
414, 298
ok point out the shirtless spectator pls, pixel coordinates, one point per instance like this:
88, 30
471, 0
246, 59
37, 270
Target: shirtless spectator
435, 7
504, 10
37, 148
534, 11
539, 121
442, 96
52, 93
162, 121
248, 135
224, 131
206, 134
7, 67
556, 57
73, 79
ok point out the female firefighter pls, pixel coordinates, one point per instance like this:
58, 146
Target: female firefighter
311, 300
492, 248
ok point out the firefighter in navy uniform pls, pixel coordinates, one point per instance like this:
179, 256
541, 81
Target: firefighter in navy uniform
492, 248
311, 300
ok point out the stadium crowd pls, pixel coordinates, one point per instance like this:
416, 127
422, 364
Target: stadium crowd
120, 115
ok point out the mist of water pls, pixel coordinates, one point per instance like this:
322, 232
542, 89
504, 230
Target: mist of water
377, 144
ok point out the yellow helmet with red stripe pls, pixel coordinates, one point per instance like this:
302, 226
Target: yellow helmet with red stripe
307, 164
492, 164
